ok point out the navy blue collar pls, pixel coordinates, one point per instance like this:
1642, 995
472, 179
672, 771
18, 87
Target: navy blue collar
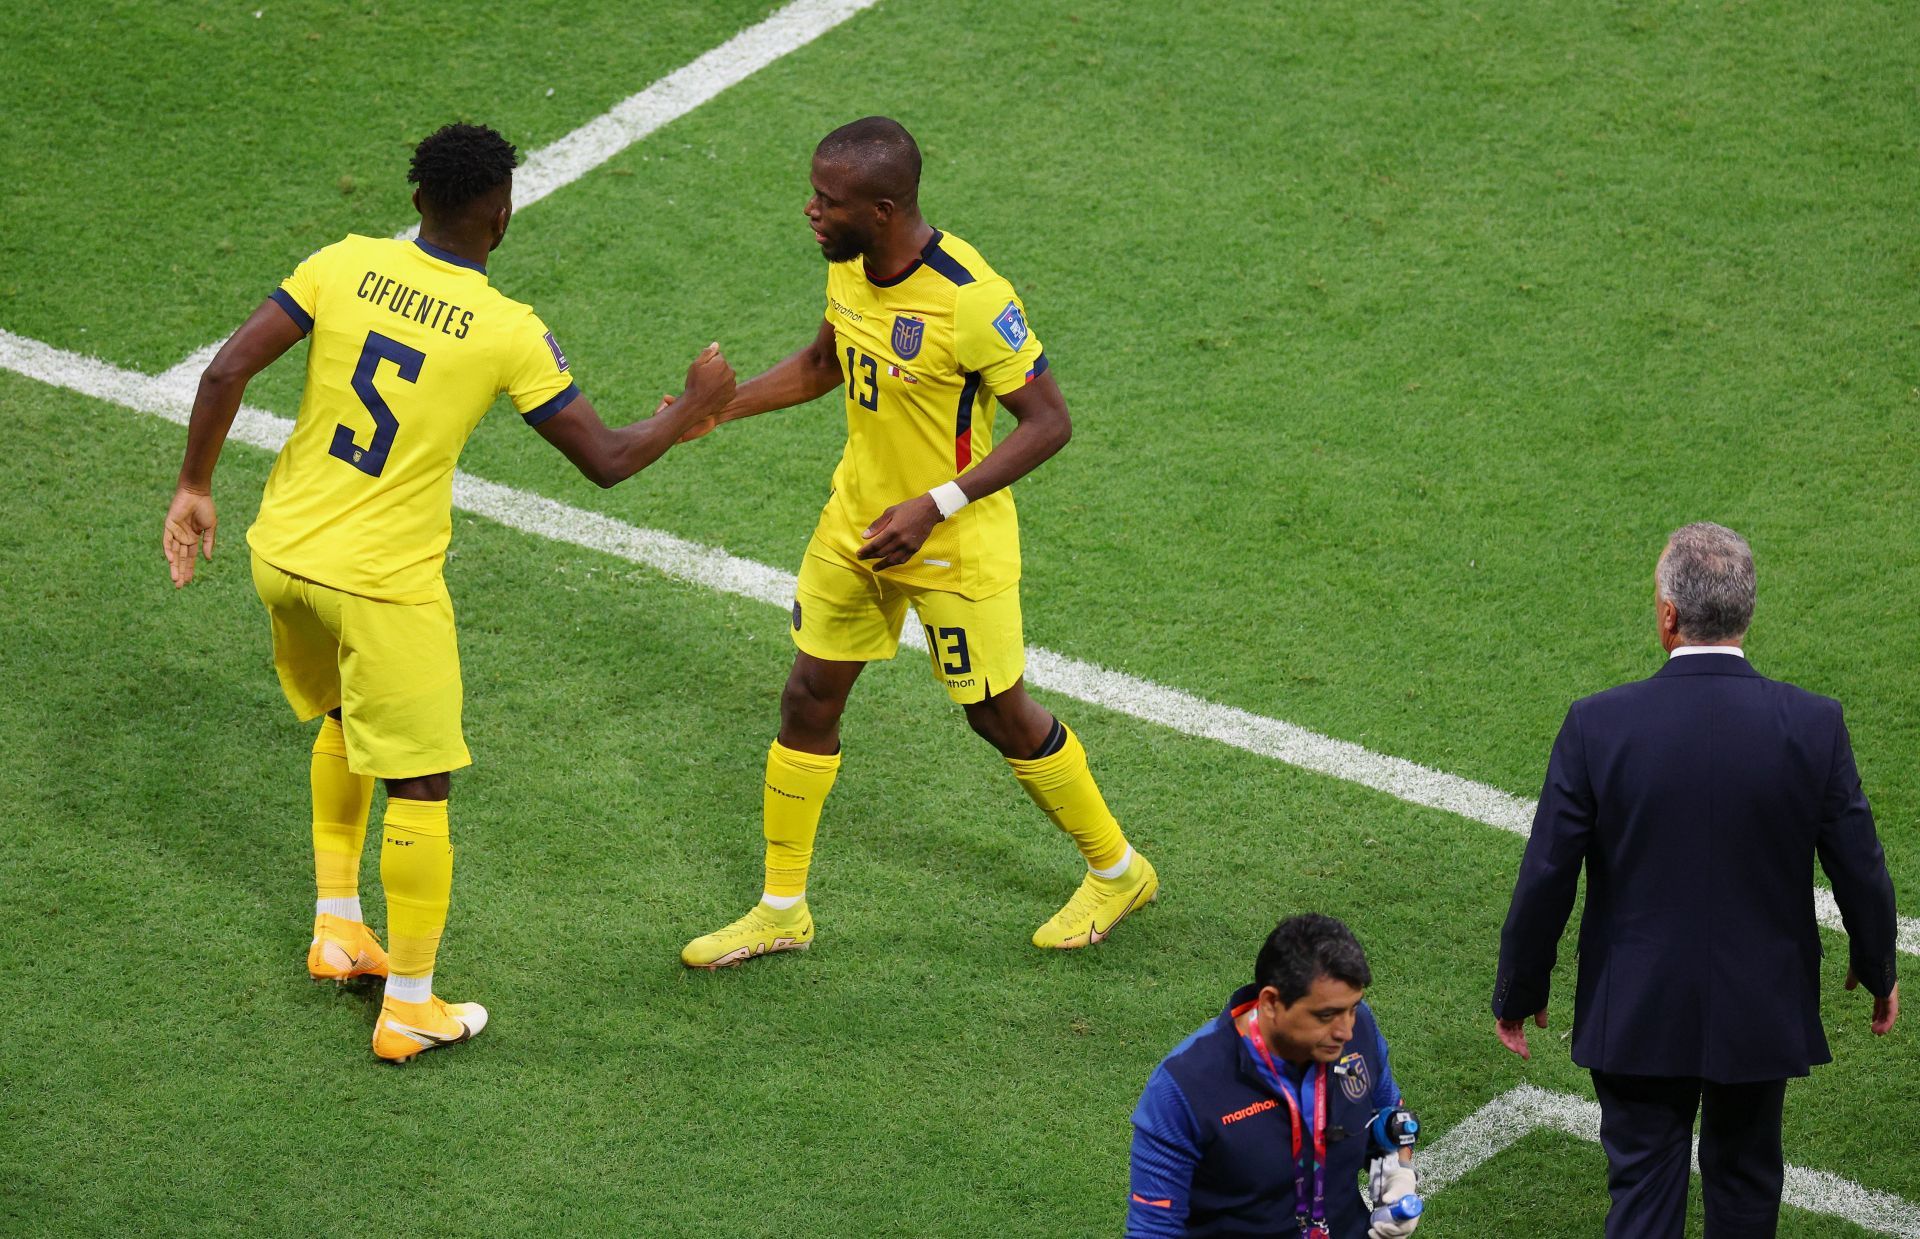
933, 243
447, 256
1708, 664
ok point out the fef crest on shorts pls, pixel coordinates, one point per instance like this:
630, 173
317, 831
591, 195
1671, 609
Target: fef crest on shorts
908, 334
1354, 1079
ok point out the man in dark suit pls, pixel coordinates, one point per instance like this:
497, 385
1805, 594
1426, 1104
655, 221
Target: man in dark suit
1697, 800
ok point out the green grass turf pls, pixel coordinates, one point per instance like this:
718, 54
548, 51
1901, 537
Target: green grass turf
927, 1071
184, 156
1396, 337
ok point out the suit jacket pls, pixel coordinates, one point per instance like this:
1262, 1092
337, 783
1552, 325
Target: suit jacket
1697, 801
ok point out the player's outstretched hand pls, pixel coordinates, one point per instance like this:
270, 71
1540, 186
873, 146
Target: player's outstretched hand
189, 528
709, 381
1513, 1033
1885, 1010
900, 532
700, 426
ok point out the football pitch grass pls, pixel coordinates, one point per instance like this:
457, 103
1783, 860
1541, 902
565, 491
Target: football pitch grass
1397, 336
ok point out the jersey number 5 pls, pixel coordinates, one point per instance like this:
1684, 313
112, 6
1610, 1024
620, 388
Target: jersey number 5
372, 458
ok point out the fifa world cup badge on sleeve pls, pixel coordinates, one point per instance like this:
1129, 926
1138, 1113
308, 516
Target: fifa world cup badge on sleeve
1352, 1070
553, 346
907, 335
1012, 326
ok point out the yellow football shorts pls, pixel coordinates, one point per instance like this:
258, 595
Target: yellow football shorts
392, 669
845, 612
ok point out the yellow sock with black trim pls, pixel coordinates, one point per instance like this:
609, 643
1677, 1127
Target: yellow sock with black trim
796, 790
416, 868
1062, 786
341, 799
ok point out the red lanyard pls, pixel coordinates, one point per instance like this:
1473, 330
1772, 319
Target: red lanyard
1312, 1218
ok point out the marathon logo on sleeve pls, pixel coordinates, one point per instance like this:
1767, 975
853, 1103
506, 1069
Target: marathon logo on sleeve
1012, 326
553, 346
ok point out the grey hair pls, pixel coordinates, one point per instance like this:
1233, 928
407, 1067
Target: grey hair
1707, 574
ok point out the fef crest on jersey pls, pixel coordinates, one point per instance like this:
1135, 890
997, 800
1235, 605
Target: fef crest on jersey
908, 334
1354, 1077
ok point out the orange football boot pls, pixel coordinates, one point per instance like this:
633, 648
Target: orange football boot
344, 949
409, 1028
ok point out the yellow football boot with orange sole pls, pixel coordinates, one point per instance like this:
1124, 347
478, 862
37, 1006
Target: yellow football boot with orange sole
762, 931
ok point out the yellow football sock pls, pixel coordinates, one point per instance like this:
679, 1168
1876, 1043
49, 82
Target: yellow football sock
416, 868
1063, 787
341, 799
796, 790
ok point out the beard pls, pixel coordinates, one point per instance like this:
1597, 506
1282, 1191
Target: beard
844, 247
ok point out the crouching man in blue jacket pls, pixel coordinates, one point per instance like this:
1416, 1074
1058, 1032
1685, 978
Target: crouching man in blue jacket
1264, 1120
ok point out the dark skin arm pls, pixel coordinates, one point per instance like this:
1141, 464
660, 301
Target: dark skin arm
1044, 427
608, 456
191, 519
807, 375
605, 455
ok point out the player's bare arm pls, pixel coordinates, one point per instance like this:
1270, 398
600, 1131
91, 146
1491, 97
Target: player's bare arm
609, 456
191, 520
807, 375
1044, 427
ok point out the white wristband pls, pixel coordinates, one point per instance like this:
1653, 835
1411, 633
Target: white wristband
949, 498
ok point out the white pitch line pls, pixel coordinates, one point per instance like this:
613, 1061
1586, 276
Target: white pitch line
713, 568
1513, 1115
566, 159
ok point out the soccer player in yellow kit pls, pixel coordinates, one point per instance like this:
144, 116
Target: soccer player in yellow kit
410, 345
926, 339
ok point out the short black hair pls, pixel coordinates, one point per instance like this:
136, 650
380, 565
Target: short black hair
1303, 948
458, 163
881, 153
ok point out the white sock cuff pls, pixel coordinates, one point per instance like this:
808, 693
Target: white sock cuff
346, 909
782, 902
410, 989
1117, 868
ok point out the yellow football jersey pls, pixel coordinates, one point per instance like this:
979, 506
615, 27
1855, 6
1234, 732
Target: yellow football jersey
409, 347
924, 354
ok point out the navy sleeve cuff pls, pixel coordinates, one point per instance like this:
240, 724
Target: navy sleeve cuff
284, 299
1039, 368
541, 413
